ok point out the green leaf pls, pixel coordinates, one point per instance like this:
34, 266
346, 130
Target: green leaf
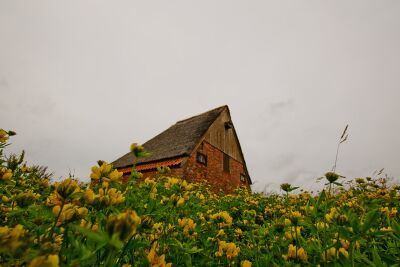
370, 219
188, 260
115, 241
376, 258
321, 197
76, 195
396, 227
293, 188
95, 236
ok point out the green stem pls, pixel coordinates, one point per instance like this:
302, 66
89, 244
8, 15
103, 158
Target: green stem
336, 158
124, 250
337, 245
295, 232
351, 253
55, 222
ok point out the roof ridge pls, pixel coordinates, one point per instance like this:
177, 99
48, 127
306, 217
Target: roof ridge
203, 113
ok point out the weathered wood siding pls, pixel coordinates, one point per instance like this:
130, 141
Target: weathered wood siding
224, 139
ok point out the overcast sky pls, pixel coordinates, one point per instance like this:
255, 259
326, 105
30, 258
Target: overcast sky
82, 80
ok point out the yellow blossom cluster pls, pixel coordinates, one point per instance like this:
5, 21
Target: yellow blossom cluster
171, 181
3, 136
332, 253
245, 263
106, 196
229, 249
5, 174
322, 225
11, 238
105, 172
222, 218
86, 224
296, 253
24, 199
188, 226
294, 232
157, 261
68, 212
66, 188
390, 212
123, 224
45, 261
332, 214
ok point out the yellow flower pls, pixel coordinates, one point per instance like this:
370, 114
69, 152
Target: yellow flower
89, 196
189, 227
386, 229
333, 213
245, 263
344, 252
345, 243
171, 182
238, 232
67, 187
149, 181
69, 213
123, 224
180, 202
157, 261
321, 225
115, 175
5, 199
222, 218
291, 233
329, 254
24, 199
7, 175
389, 212
3, 136
221, 232
43, 261
230, 249
105, 197
53, 199
293, 250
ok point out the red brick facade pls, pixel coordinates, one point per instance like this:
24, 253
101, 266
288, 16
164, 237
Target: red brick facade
213, 171
201, 148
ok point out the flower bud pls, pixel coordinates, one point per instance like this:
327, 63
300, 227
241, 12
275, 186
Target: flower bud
123, 224
67, 187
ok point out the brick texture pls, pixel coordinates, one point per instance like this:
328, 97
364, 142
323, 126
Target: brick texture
212, 171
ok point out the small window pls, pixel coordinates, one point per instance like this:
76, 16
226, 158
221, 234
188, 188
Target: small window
226, 163
201, 158
242, 178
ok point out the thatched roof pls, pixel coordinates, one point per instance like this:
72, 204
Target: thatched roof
178, 140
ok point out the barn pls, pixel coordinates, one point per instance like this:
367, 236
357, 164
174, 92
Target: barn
202, 147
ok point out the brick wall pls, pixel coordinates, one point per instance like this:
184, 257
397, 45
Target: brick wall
213, 172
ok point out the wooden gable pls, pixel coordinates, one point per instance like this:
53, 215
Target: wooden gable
222, 135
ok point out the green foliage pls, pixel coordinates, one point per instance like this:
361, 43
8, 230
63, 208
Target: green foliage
165, 220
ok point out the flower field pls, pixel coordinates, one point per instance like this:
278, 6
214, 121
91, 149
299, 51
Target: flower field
166, 221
